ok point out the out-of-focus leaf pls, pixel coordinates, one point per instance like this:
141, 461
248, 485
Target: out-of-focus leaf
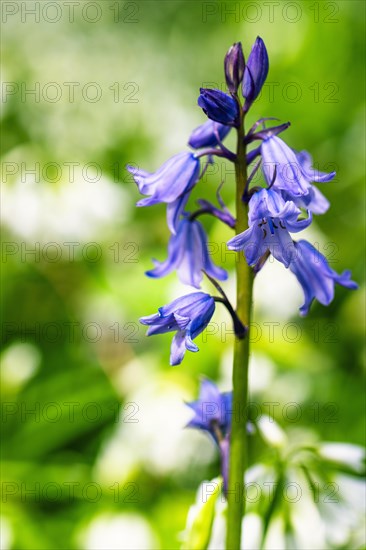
199, 533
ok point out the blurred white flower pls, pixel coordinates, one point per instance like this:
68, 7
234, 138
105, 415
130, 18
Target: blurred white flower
252, 531
350, 455
78, 209
6, 534
278, 295
271, 431
19, 362
118, 532
345, 519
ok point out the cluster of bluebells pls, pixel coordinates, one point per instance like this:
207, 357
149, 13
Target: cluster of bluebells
283, 205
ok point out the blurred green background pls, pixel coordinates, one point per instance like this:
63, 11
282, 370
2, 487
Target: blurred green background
94, 453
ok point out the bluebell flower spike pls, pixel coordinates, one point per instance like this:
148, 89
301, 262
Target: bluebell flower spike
188, 316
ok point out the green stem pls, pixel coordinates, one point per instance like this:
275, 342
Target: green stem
238, 439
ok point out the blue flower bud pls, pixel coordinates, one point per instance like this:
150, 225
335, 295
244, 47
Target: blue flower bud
234, 67
255, 73
219, 106
206, 135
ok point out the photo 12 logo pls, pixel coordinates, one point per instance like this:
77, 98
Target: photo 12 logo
70, 11
270, 12
72, 92
69, 491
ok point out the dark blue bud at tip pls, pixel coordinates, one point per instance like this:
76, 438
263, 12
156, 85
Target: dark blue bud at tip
234, 67
256, 72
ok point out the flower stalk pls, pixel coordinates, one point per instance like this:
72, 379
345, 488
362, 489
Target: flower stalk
238, 440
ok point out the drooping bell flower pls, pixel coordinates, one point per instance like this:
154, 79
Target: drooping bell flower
290, 172
188, 316
188, 254
170, 184
271, 219
316, 276
206, 134
212, 411
213, 414
315, 200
